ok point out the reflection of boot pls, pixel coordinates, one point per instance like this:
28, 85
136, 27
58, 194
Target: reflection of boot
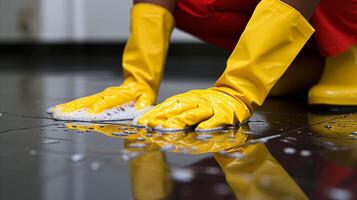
338, 85
334, 130
258, 175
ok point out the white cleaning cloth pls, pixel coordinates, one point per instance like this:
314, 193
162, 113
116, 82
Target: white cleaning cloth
119, 113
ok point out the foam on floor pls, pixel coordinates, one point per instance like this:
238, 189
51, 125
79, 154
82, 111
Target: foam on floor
123, 112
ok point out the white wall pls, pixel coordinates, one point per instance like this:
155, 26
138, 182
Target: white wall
68, 20
11, 14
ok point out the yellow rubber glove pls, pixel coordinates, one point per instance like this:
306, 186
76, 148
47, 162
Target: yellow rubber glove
257, 175
271, 40
143, 63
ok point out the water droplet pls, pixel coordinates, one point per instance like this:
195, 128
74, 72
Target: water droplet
299, 132
50, 141
236, 154
305, 153
101, 126
95, 166
33, 152
329, 143
204, 136
77, 157
184, 151
248, 132
0, 114
291, 138
212, 170
221, 189
263, 139
119, 134
285, 140
137, 145
168, 147
148, 135
339, 194
127, 155
231, 136
282, 129
289, 150
42, 129
328, 126
129, 132
140, 139
182, 175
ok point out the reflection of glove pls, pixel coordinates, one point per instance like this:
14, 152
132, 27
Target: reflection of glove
111, 130
143, 62
150, 177
257, 175
193, 143
273, 37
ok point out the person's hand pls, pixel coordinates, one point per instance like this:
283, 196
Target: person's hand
138, 94
208, 109
143, 63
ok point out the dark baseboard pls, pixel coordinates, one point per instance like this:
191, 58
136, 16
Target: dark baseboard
188, 59
97, 48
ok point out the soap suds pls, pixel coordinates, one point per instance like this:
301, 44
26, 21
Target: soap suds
119, 113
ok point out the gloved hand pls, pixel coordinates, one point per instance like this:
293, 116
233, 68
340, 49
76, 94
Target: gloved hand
271, 40
212, 107
129, 91
143, 63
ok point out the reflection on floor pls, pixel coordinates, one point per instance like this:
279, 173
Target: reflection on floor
283, 152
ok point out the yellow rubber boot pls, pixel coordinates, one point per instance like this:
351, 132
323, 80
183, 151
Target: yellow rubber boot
271, 40
338, 85
143, 63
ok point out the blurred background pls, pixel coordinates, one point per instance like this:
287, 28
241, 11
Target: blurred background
88, 35
49, 21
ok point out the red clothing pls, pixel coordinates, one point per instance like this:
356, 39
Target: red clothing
221, 22
335, 22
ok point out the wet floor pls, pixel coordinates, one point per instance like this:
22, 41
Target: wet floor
284, 152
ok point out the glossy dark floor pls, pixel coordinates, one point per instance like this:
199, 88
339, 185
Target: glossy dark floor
283, 152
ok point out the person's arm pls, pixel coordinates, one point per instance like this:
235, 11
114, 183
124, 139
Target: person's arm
305, 7
273, 37
143, 63
168, 4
